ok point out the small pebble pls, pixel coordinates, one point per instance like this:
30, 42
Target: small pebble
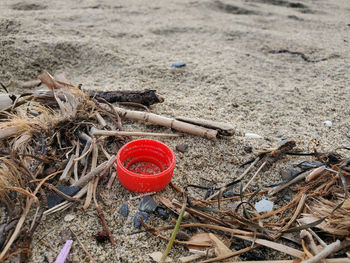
124, 210
147, 204
162, 213
264, 206
69, 217
137, 222
181, 147
178, 64
328, 123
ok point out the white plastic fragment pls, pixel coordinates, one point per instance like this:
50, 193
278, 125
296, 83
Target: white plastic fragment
328, 123
264, 206
252, 135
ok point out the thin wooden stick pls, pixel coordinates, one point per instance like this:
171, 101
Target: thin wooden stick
255, 175
138, 134
278, 188
82, 245
168, 122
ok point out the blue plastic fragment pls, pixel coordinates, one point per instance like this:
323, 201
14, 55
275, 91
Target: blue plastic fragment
178, 64
310, 164
147, 204
162, 213
137, 221
124, 210
54, 199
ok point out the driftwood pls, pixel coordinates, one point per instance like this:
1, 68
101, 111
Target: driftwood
225, 129
146, 97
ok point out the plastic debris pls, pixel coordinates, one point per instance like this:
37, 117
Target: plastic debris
252, 135
264, 206
54, 199
147, 204
124, 210
162, 213
137, 221
62, 256
178, 64
328, 123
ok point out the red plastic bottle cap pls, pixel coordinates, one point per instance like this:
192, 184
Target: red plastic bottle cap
145, 165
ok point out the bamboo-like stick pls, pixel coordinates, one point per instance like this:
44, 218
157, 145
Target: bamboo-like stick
225, 129
96, 132
167, 122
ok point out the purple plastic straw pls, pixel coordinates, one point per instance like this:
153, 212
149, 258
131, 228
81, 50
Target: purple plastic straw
62, 256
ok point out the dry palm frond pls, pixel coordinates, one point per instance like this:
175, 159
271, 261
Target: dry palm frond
336, 223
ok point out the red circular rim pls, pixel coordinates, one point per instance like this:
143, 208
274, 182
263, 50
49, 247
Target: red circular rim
157, 178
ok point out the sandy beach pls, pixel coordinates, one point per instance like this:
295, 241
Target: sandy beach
275, 68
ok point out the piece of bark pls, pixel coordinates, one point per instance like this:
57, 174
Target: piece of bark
146, 97
224, 129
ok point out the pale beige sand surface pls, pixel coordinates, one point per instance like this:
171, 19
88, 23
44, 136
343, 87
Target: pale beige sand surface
231, 76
